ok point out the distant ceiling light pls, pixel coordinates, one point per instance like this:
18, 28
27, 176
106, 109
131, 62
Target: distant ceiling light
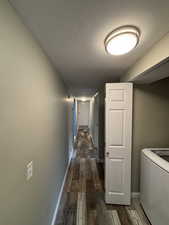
122, 40
83, 99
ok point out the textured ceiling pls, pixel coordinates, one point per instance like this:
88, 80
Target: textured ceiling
72, 34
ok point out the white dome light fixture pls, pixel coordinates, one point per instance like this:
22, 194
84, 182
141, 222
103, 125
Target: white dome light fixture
122, 40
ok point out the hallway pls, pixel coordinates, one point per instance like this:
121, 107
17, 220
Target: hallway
97, 65
83, 203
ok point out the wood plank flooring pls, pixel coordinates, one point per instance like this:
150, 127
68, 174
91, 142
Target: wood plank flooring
83, 202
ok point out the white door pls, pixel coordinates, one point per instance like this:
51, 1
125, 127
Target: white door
83, 113
118, 136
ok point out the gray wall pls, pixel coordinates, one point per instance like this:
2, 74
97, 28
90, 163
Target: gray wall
70, 125
101, 115
33, 124
96, 121
154, 56
151, 122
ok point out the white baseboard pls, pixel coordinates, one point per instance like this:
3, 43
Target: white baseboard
135, 194
61, 191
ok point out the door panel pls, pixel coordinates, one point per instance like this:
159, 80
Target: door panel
116, 122
117, 179
116, 95
118, 131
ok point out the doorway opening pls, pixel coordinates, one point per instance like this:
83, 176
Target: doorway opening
87, 117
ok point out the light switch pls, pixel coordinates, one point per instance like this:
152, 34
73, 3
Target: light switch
29, 172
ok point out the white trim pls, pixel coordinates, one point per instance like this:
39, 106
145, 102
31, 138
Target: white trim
135, 194
61, 191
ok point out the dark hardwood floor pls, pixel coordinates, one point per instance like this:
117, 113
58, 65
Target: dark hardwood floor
83, 202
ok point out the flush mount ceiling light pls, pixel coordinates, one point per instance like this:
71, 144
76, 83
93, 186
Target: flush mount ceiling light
122, 40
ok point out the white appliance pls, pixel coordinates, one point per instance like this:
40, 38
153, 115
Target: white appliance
155, 184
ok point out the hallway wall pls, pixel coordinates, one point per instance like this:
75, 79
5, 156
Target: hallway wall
70, 125
101, 122
91, 117
94, 119
33, 123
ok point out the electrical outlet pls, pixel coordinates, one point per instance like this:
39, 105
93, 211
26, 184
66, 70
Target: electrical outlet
29, 172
